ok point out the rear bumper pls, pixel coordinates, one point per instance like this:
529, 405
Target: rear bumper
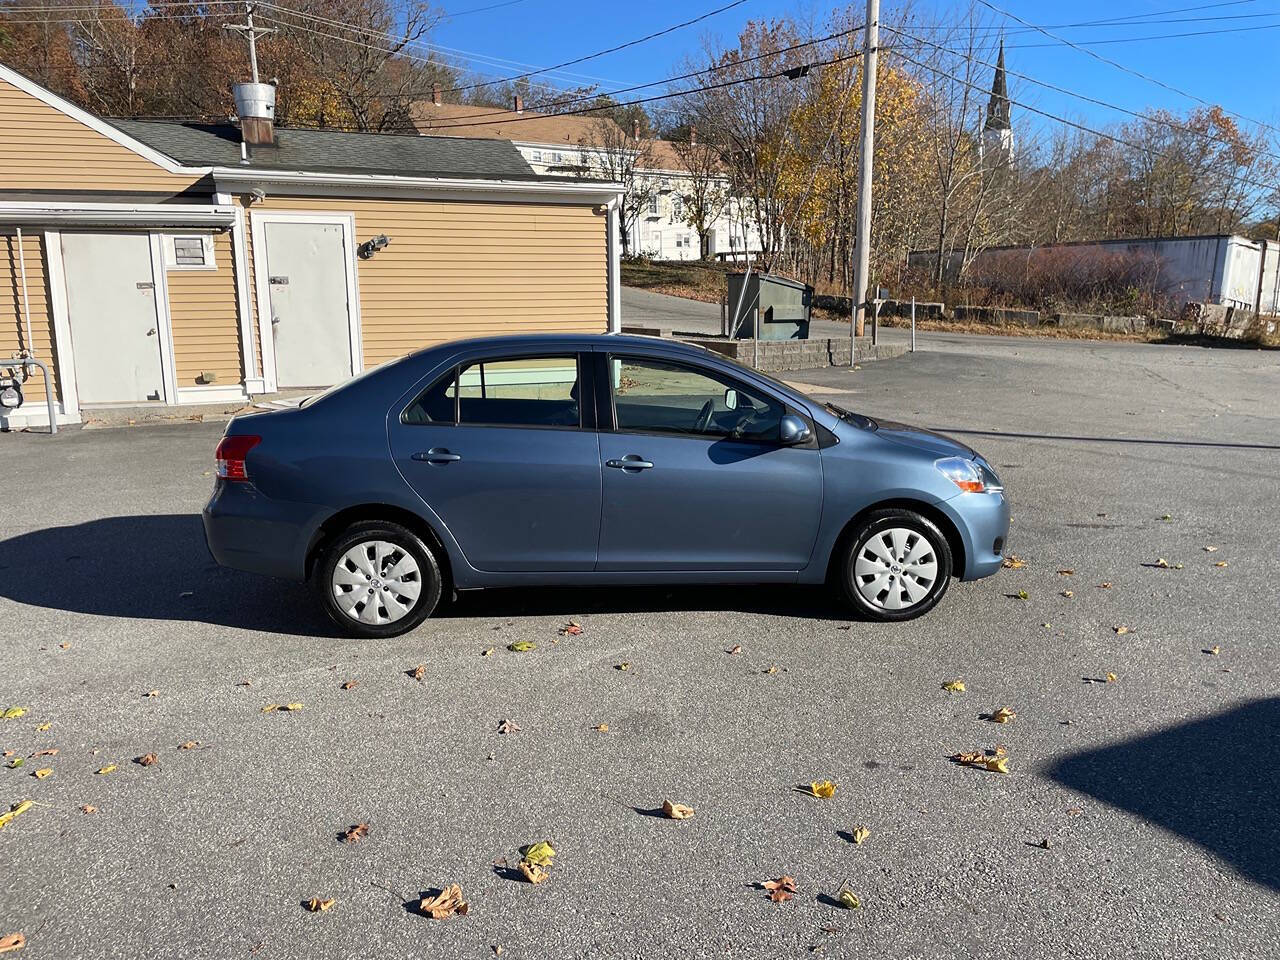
983, 522
248, 531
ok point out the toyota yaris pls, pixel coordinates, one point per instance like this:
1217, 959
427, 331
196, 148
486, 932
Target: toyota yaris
592, 460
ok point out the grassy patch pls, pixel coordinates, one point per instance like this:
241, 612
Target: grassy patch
691, 279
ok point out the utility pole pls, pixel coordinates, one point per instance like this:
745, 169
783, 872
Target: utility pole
863, 243
252, 33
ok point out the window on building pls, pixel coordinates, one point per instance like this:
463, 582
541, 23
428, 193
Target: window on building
653, 206
537, 156
189, 252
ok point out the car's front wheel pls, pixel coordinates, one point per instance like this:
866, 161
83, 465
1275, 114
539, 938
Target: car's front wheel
896, 566
378, 579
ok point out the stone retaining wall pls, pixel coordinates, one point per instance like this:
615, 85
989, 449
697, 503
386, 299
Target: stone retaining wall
797, 354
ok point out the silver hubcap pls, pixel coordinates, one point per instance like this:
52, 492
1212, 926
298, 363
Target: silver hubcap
376, 582
895, 569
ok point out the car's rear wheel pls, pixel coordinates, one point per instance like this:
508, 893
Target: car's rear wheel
896, 565
378, 579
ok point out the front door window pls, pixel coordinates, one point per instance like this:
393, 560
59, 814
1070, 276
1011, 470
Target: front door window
655, 396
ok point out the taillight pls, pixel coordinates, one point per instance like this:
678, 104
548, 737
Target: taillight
230, 456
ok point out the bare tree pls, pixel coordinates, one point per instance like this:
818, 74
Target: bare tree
705, 192
620, 157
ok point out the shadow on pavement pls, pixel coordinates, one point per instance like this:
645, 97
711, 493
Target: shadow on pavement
158, 568
1214, 781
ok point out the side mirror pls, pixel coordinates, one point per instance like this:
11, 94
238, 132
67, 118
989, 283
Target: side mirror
793, 431
731, 399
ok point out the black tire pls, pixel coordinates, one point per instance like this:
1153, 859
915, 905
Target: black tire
862, 541
427, 575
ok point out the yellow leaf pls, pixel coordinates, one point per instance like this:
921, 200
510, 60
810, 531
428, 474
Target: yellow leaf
88, 808
13, 713
624, 665
822, 788
1209, 549
1112, 678
43, 772
1068, 594
189, 745
292, 706
954, 686
601, 727
43, 727
107, 769
1121, 629
271, 708
860, 834
1003, 715
522, 646
540, 854
996, 762
487, 652
676, 811
17, 810
1221, 563
1214, 650
316, 905
12, 941
848, 899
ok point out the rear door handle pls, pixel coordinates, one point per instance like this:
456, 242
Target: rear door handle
437, 455
631, 461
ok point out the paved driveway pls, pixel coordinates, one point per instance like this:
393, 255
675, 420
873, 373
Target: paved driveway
1158, 793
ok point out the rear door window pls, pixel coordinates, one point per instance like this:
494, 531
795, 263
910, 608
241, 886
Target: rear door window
523, 392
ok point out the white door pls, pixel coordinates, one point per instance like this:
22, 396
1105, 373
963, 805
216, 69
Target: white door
111, 306
310, 318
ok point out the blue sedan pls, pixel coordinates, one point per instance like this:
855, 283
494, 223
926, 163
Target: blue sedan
593, 460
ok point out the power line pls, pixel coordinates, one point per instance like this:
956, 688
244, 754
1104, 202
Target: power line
1120, 66
1151, 118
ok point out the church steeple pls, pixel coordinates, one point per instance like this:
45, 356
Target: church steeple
997, 133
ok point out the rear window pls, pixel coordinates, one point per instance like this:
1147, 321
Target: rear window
527, 392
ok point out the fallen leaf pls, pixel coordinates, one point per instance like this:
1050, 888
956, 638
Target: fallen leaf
1074, 811
356, 833
1105, 585
349, 685
860, 834
487, 652
624, 665
1221, 563
1003, 715
447, 903
418, 672
15, 763
109, 768
954, 686
601, 727
1162, 563
15, 811
64, 646
773, 668
540, 854
1022, 595
1045, 844
1068, 594
146, 760
1012, 562
8, 753
13, 713
508, 726
1112, 678
1166, 518
995, 761
189, 745
571, 629
848, 899
780, 890
152, 693
823, 789
734, 650
51, 752
12, 941
316, 905
1177, 566
1121, 629
1209, 549
88, 808
532, 872
42, 773
1066, 573
43, 727
676, 811
522, 646
1213, 651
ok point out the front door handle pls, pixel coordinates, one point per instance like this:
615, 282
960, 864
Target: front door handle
631, 461
437, 455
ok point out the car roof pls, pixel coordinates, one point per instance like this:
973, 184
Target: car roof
575, 339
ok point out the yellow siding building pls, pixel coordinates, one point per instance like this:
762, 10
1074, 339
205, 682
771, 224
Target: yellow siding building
158, 264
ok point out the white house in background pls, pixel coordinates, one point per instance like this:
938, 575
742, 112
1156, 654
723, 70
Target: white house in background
562, 144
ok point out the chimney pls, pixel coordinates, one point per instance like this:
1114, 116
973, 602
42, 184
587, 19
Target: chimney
635, 130
693, 133
256, 108
518, 105
435, 94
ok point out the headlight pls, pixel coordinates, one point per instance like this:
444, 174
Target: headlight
971, 476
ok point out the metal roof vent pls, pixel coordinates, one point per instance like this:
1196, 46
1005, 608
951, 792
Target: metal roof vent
256, 108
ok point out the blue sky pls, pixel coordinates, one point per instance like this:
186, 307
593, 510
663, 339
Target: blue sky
1231, 68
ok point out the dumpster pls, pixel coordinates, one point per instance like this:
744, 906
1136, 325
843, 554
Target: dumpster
774, 307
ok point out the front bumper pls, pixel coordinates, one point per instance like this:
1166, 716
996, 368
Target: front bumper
983, 522
246, 530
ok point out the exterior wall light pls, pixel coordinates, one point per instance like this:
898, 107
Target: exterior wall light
371, 246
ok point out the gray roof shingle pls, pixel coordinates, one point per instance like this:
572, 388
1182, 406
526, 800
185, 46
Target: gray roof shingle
334, 151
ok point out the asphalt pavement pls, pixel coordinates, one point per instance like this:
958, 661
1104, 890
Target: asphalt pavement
1139, 817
